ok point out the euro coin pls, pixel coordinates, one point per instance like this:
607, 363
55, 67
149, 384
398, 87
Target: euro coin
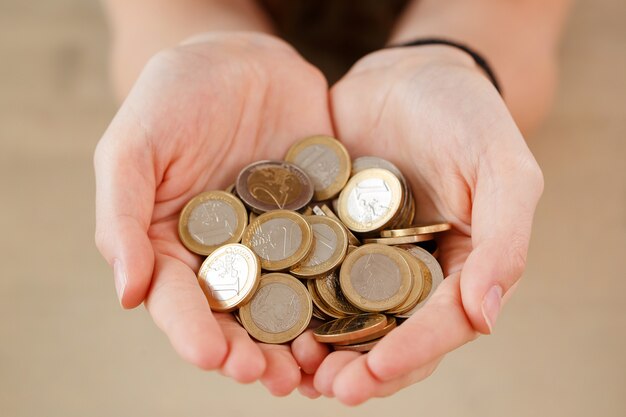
351, 328
325, 160
211, 219
324, 210
389, 326
375, 278
321, 304
280, 310
417, 230
274, 185
280, 238
330, 244
404, 240
433, 276
229, 276
329, 290
358, 347
417, 284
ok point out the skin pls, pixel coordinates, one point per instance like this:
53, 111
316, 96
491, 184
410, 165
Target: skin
198, 112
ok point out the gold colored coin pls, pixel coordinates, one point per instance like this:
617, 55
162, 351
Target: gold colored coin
280, 238
399, 240
280, 310
375, 278
417, 284
358, 347
329, 290
210, 220
391, 324
433, 276
320, 304
229, 276
330, 244
325, 160
350, 328
417, 230
324, 210
370, 200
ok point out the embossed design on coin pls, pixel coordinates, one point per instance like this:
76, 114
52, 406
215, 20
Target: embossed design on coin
280, 310
326, 162
229, 276
433, 276
275, 308
375, 278
211, 219
370, 200
329, 247
212, 222
271, 185
281, 239
345, 330
330, 292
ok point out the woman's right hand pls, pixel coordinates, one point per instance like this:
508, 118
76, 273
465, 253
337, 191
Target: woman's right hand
198, 114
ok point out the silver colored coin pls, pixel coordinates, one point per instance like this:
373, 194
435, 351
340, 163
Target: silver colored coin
375, 277
275, 308
212, 222
366, 162
277, 239
274, 185
436, 274
320, 163
325, 244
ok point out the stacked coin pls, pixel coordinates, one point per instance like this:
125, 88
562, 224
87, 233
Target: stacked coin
278, 255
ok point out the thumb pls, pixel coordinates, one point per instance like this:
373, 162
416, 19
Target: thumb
502, 213
125, 187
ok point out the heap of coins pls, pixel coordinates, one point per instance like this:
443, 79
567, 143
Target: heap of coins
314, 236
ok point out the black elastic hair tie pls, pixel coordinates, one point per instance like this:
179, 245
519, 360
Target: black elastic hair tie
480, 61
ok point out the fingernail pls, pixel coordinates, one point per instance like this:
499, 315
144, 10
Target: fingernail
119, 276
491, 306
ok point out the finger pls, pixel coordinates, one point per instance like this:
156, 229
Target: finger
356, 384
308, 352
502, 215
125, 187
328, 370
245, 362
179, 308
434, 330
306, 386
282, 374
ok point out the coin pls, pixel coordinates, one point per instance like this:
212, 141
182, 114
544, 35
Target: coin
417, 284
399, 240
280, 310
274, 185
358, 347
321, 305
416, 230
370, 200
329, 290
433, 276
375, 278
389, 326
230, 189
350, 328
324, 210
281, 238
330, 244
325, 160
211, 219
229, 276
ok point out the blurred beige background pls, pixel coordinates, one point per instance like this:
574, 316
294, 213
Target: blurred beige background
66, 349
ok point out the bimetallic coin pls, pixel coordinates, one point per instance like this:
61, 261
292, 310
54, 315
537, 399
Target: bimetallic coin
230, 189
375, 278
399, 240
351, 328
280, 238
330, 244
368, 162
229, 277
370, 200
391, 324
329, 290
324, 210
211, 219
274, 185
417, 284
320, 304
358, 347
326, 162
280, 310
416, 230
433, 276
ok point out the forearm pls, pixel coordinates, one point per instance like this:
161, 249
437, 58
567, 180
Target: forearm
141, 28
518, 38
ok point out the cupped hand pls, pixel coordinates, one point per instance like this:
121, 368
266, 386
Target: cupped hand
197, 114
433, 113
